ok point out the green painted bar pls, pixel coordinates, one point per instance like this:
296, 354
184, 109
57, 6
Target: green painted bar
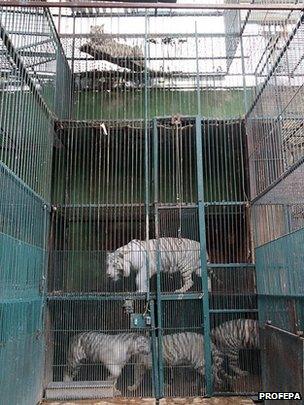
156, 174
203, 258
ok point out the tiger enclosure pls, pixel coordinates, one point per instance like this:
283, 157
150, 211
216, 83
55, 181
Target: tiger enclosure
151, 207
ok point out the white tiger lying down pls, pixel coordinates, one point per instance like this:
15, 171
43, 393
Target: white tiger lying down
186, 348
175, 255
113, 351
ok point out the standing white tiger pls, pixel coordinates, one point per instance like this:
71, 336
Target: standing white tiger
113, 351
185, 348
174, 255
232, 336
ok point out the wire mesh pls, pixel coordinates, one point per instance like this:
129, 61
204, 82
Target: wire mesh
89, 316
28, 51
274, 123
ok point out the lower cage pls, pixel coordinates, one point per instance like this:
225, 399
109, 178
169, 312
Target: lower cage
79, 329
72, 322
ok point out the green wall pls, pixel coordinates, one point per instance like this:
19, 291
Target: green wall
129, 104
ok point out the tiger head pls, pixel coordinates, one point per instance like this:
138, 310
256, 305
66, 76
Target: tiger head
117, 265
114, 265
141, 345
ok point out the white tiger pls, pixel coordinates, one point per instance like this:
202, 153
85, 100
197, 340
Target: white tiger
232, 336
175, 255
185, 348
113, 351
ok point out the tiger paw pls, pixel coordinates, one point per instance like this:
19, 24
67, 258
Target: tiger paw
117, 393
180, 291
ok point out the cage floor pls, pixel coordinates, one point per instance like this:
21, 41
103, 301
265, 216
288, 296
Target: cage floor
164, 401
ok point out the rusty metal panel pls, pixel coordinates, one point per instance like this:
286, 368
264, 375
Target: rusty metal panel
283, 362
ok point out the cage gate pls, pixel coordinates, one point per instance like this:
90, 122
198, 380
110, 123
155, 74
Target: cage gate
171, 221
180, 215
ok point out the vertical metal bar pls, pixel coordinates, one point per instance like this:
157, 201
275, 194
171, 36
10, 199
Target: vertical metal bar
158, 281
198, 92
202, 230
147, 158
287, 225
243, 70
155, 381
203, 255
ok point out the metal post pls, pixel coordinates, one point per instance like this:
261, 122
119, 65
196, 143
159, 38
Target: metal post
155, 381
158, 285
198, 90
203, 255
202, 230
146, 159
243, 70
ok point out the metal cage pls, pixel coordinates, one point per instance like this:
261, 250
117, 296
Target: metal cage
152, 209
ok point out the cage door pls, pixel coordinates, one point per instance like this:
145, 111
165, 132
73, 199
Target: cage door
182, 303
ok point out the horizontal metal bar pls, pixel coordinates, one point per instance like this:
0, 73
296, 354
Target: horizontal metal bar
280, 296
152, 35
140, 13
230, 265
30, 298
165, 58
275, 328
30, 33
140, 205
69, 124
173, 6
96, 296
88, 206
232, 311
178, 297
136, 296
224, 203
236, 394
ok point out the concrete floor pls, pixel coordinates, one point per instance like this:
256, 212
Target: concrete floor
165, 401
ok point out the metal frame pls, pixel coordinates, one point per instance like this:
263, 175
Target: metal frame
180, 6
155, 208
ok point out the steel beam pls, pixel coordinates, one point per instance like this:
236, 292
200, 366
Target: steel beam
180, 6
